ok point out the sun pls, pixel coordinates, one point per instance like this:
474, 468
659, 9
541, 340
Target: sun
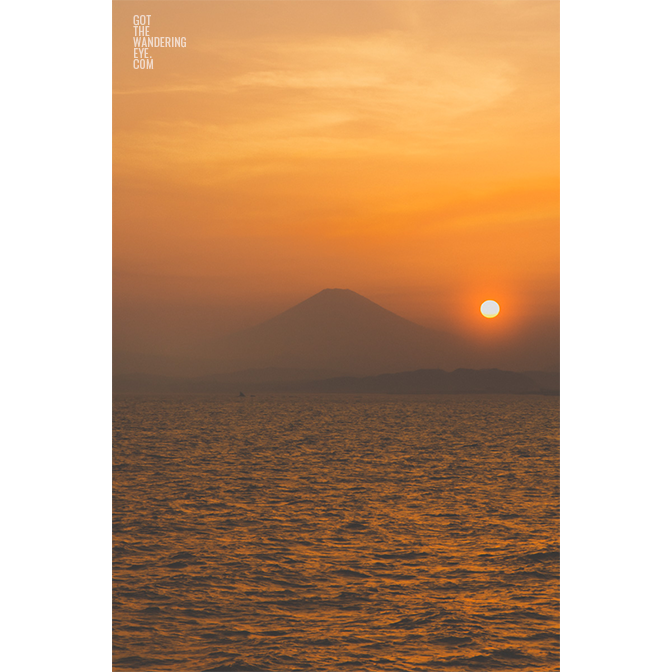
490, 308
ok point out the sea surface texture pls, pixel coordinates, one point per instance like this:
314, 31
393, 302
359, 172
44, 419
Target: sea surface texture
336, 533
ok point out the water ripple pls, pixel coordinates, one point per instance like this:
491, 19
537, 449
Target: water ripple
336, 532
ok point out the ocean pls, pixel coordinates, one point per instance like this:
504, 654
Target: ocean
331, 532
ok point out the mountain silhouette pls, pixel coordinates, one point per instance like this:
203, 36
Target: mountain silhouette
340, 330
429, 381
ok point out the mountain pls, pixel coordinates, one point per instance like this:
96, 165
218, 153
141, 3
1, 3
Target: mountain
429, 381
340, 330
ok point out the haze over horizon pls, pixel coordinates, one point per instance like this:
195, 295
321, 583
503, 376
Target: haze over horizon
338, 331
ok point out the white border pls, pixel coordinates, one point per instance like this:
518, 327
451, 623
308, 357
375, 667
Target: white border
615, 208
56, 272
56, 275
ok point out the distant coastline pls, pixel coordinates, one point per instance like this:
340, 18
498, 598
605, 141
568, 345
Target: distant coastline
421, 381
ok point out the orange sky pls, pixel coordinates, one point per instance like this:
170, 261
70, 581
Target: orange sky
408, 151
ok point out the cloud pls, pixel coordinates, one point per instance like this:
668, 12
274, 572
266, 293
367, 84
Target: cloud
380, 95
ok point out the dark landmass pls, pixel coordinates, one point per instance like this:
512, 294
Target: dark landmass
422, 381
431, 381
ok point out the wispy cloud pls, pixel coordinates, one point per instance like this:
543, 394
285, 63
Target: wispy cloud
383, 94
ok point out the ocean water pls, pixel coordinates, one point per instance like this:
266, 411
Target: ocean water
336, 533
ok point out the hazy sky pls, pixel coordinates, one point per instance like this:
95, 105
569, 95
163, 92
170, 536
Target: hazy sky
408, 151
